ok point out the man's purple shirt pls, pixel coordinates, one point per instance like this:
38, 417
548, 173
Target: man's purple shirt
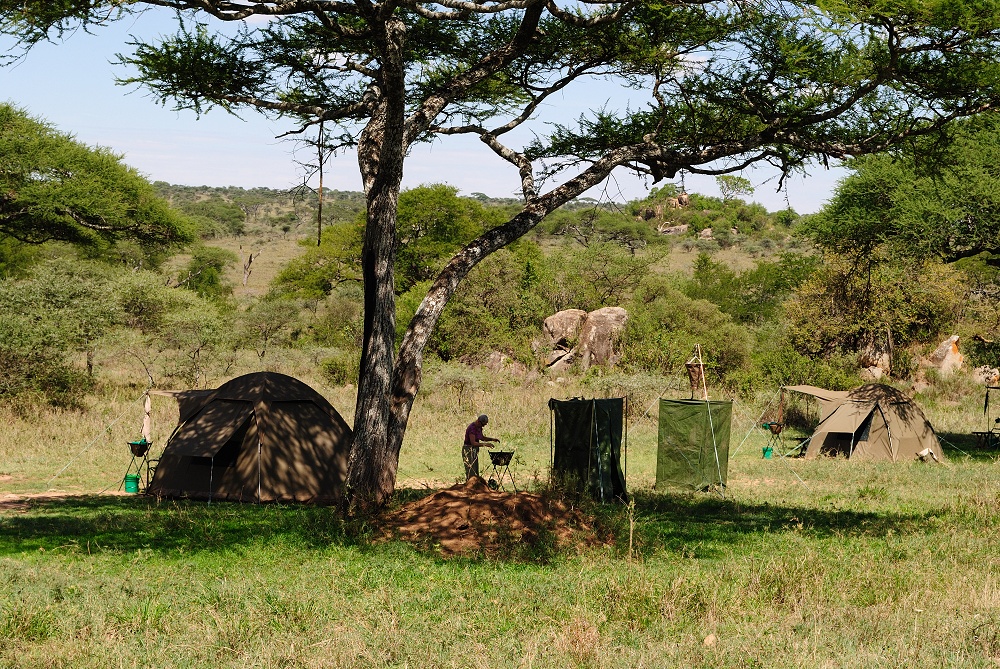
473, 433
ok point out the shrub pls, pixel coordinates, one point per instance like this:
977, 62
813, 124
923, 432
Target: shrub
340, 368
33, 357
665, 325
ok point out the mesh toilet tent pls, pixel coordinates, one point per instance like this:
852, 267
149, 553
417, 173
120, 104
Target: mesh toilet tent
259, 437
693, 444
587, 446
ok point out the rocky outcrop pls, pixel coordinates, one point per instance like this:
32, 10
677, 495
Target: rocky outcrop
599, 335
673, 229
946, 358
872, 373
574, 335
986, 375
875, 356
498, 363
563, 328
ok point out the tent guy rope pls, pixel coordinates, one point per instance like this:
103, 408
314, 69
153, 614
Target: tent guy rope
104, 431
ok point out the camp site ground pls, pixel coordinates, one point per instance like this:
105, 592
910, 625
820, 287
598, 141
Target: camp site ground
820, 563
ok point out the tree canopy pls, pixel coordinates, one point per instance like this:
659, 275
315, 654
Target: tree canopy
52, 187
708, 86
929, 199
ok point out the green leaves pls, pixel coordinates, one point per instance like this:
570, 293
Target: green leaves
433, 223
33, 21
937, 199
55, 188
198, 69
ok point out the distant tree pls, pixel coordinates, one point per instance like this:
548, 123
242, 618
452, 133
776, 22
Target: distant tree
498, 308
194, 332
595, 226
60, 307
755, 295
715, 87
842, 308
731, 186
205, 273
604, 275
320, 270
267, 321
432, 223
52, 187
664, 325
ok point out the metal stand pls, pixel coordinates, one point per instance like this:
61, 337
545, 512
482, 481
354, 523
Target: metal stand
141, 464
773, 438
501, 469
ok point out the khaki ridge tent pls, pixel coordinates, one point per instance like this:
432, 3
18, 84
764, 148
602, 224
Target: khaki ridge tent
257, 438
873, 422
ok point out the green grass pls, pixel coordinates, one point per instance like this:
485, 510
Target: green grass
823, 563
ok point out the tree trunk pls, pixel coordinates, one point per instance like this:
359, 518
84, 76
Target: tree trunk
408, 371
371, 476
319, 210
384, 401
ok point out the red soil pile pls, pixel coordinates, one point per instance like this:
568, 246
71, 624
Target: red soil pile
470, 518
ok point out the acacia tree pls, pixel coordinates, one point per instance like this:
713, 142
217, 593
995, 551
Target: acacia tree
929, 199
715, 86
52, 187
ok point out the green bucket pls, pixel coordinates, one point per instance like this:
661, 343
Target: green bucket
768, 451
132, 483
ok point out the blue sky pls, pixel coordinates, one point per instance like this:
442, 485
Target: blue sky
72, 85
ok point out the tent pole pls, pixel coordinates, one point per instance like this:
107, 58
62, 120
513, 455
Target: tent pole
625, 421
211, 479
783, 458
590, 451
711, 423
100, 435
552, 441
888, 431
259, 450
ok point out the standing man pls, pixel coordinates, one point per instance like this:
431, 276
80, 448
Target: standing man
474, 440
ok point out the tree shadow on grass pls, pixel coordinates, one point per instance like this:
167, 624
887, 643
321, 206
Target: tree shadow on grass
701, 526
967, 446
126, 524
707, 526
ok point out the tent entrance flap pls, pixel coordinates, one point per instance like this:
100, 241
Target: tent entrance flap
208, 431
693, 444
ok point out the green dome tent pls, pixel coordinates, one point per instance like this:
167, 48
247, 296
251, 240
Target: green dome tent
259, 437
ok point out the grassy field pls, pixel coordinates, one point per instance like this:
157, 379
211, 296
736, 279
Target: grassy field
824, 563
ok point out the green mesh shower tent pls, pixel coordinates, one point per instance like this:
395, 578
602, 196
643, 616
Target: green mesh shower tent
587, 446
693, 444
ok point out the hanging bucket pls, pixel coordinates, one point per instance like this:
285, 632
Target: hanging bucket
132, 483
768, 451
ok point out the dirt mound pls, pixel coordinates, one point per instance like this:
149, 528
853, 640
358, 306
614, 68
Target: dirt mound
471, 518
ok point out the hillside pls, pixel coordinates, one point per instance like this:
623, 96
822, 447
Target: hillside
740, 282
